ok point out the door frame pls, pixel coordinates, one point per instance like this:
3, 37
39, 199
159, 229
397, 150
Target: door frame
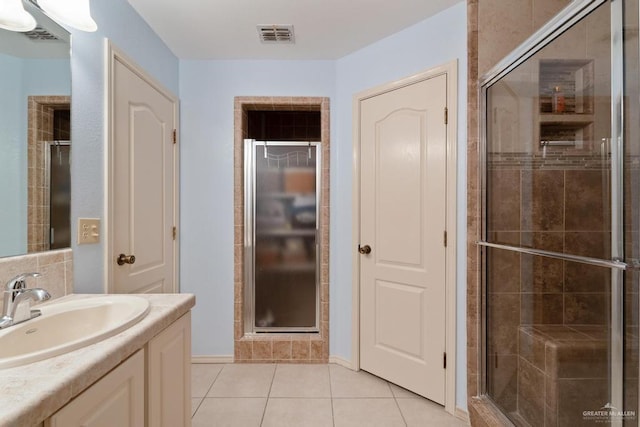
113, 54
450, 69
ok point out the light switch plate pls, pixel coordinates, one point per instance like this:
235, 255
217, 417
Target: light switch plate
88, 230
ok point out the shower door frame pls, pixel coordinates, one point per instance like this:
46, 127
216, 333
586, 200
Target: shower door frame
563, 21
47, 146
250, 195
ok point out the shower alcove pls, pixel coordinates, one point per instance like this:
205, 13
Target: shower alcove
281, 217
559, 244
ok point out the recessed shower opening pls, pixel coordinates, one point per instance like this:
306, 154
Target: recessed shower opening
282, 229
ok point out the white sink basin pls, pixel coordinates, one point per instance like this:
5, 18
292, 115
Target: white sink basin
69, 325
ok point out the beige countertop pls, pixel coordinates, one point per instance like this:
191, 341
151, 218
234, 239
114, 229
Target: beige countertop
31, 393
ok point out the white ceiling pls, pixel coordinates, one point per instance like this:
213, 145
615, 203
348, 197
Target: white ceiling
324, 29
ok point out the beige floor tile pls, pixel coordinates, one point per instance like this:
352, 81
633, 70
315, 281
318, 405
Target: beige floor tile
348, 383
366, 412
243, 380
195, 402
282, 412
402, 392
301, 381
423, 412
202, 376
229, 412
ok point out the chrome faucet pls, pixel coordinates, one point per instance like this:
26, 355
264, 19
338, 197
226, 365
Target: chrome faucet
18, 299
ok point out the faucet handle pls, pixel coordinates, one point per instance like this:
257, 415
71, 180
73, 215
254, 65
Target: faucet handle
18, 282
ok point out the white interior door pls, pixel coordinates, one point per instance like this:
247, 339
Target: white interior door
143, 177
403, 193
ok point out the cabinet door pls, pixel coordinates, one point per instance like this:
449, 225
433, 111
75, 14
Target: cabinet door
169, 376
115, 400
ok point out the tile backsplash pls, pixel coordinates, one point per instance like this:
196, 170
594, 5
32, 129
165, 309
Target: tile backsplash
55, 267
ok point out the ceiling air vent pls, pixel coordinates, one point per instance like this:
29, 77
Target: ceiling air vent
276, 34
40, 33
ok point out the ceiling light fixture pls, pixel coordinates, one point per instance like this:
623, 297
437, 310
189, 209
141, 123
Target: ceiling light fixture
13, 17
74, 13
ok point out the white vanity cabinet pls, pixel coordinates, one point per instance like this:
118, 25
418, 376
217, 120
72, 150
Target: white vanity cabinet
169, 376
117, 399
151, 388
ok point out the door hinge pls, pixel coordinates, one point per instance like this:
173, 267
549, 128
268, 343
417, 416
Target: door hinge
175, 232
175, 137
444, 360
446, 116
445, 239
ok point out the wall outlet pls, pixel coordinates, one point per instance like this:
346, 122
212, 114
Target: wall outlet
88, 230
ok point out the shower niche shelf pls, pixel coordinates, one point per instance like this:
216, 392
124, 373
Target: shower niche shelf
565, 102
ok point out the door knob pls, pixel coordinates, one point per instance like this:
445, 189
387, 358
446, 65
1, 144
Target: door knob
364, 250
126, 259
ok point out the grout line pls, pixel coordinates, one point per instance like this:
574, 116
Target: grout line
266, 403
404, 420
374, 398
206, 393
198, 407
306, 398
214, 381
395, 399
333, 416
242, 397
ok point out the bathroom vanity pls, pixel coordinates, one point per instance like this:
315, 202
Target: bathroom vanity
141, 376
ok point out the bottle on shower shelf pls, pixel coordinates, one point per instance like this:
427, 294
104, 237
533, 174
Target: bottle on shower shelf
557, 100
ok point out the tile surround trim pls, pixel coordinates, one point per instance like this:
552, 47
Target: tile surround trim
280, 348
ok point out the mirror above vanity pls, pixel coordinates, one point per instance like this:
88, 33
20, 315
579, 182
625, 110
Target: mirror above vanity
35, 137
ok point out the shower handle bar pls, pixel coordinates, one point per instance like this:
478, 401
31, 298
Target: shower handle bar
618, 264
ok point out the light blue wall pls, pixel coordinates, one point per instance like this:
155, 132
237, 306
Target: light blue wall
207, 91
119, 22
437, 40
21, 78
13, 160
46, 77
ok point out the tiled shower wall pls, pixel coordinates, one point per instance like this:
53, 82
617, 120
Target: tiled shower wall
494, 28
559, 208
284, 125
549, 316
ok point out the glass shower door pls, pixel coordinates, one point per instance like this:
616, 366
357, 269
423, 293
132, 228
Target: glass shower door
559, 344
58, 165
282, 185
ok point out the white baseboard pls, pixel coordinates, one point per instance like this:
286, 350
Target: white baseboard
462, 415
211, 359
340, 361
229, 359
